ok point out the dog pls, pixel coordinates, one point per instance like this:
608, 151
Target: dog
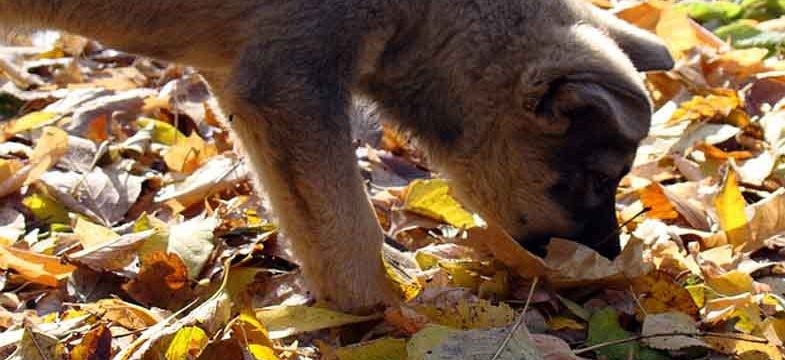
533, 109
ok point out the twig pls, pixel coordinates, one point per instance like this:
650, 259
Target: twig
731, 336
518, 322
618, 229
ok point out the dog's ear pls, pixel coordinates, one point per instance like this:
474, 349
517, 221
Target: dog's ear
580, 103
646, 51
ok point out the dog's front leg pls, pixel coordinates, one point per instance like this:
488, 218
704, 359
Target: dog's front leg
292, 124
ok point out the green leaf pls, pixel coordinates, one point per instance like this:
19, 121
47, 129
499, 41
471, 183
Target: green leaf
604, 327
763, 9
722, 11
382, 349
163, 133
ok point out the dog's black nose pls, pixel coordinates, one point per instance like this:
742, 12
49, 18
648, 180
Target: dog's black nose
601, 233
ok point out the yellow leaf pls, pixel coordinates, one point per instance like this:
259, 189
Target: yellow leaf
731, 283
730, 206
468, 315
34, 267
405, 285
382, 349
716, 106
187, 344
50, 147
560, 323
745, 350
31, 121
46, 209
163, 132
92, 235
260, 352
283, 321
188, 153
432, 198
252, 335
12, 176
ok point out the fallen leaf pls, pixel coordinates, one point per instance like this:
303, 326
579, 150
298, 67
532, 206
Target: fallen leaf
381, 349
603, 327
112, 255
37, 345
127, 315
33, 120
40, 269
96, 344
192, 241
669, 323
730, 206
188, 343
284, 321
218, 174
162, 281
188, 153
431, 198
654, 198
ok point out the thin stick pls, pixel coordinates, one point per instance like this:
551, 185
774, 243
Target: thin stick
691, 335
518, 322
618, 229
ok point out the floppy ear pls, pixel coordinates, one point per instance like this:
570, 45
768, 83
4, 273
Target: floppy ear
571, 103
646, 51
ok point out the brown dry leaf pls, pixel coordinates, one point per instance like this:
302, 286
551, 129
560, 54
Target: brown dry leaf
162, 281
127, 315
113, 255
34, 267
96, 345
667, 323
50, 147
744, 350
567, 264
658, 293
737, 65
13, 174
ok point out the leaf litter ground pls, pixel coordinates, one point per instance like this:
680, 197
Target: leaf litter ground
129, 228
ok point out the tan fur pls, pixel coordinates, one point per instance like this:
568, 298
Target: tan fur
471, 80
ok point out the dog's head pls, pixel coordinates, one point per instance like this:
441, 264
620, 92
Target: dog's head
551, 165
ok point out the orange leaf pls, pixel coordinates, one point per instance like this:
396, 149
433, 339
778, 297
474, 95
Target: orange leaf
187, 154
98, 129
96, 345
34, 267
162, 281
654, 198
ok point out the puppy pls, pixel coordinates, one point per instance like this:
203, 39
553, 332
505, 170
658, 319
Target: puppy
532, 108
